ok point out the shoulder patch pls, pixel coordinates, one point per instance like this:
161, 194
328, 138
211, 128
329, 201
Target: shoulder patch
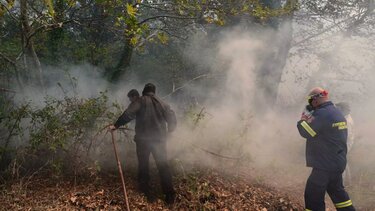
340, 125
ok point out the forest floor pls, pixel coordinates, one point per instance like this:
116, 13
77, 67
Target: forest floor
197, 189
200, 189
227, 186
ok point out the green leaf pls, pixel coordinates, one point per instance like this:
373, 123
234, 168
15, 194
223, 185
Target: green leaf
134, 41
72, 3
163, 38
132, 11
220, 22
49, 5
4, 7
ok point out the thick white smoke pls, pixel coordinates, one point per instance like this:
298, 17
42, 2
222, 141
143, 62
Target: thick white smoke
226, 121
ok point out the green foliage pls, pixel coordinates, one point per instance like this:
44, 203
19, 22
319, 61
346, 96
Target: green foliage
131, 10
5, 7
62, 127
49, 5
162, 37
106, 32
62, 122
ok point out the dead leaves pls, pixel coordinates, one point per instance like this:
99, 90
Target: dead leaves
212, 191
93, 200
199, 190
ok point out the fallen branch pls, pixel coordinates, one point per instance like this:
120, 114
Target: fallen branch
199, 117
216, 154
7, 90
212, 153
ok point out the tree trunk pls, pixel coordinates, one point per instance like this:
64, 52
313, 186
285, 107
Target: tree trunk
56, 35
31, 60
270, 72
125, 57
124, 61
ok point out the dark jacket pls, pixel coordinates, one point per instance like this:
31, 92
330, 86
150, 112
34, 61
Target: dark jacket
326, 138
154, 118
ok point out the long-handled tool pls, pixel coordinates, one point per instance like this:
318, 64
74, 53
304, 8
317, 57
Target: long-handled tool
120, 170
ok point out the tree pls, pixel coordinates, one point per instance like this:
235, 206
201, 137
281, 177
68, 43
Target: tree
344, 19
32, 17
270, 72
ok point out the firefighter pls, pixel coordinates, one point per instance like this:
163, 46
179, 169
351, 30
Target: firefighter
154, 119
345, 109
326, 133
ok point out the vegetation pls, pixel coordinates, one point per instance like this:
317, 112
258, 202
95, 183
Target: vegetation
61, 132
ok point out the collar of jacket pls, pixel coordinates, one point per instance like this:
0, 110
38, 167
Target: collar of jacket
325, 104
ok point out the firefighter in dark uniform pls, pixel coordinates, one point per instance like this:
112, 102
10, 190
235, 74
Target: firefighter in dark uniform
326, 133
154, 119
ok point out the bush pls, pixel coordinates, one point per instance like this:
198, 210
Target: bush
59, 134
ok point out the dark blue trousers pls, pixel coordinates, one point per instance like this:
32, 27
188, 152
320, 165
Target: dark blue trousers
320, 182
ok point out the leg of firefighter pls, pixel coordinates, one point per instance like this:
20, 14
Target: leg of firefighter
315, 190
338, 194
159, 151
143, 155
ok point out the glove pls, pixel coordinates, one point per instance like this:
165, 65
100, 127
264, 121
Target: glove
111, 127
309, 108
307, 113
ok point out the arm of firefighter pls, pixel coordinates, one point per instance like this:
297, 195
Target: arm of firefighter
309, 129
129, 114
305, 129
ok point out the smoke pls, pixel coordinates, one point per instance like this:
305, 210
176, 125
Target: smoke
345, 67
225, 128
82, 81
231, 125
234, 127
240, 51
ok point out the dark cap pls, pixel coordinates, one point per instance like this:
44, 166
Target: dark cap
149, 88
133, 93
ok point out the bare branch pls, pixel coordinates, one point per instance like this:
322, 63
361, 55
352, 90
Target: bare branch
7, 90
187, 83
7, 59
164, 16
361, 18
321, 32
215, 154
49, 26
174, 35
154, 7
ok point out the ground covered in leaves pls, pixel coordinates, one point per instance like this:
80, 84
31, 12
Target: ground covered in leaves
197, 190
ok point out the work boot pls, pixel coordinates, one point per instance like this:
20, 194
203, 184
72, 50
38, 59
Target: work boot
170, 198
